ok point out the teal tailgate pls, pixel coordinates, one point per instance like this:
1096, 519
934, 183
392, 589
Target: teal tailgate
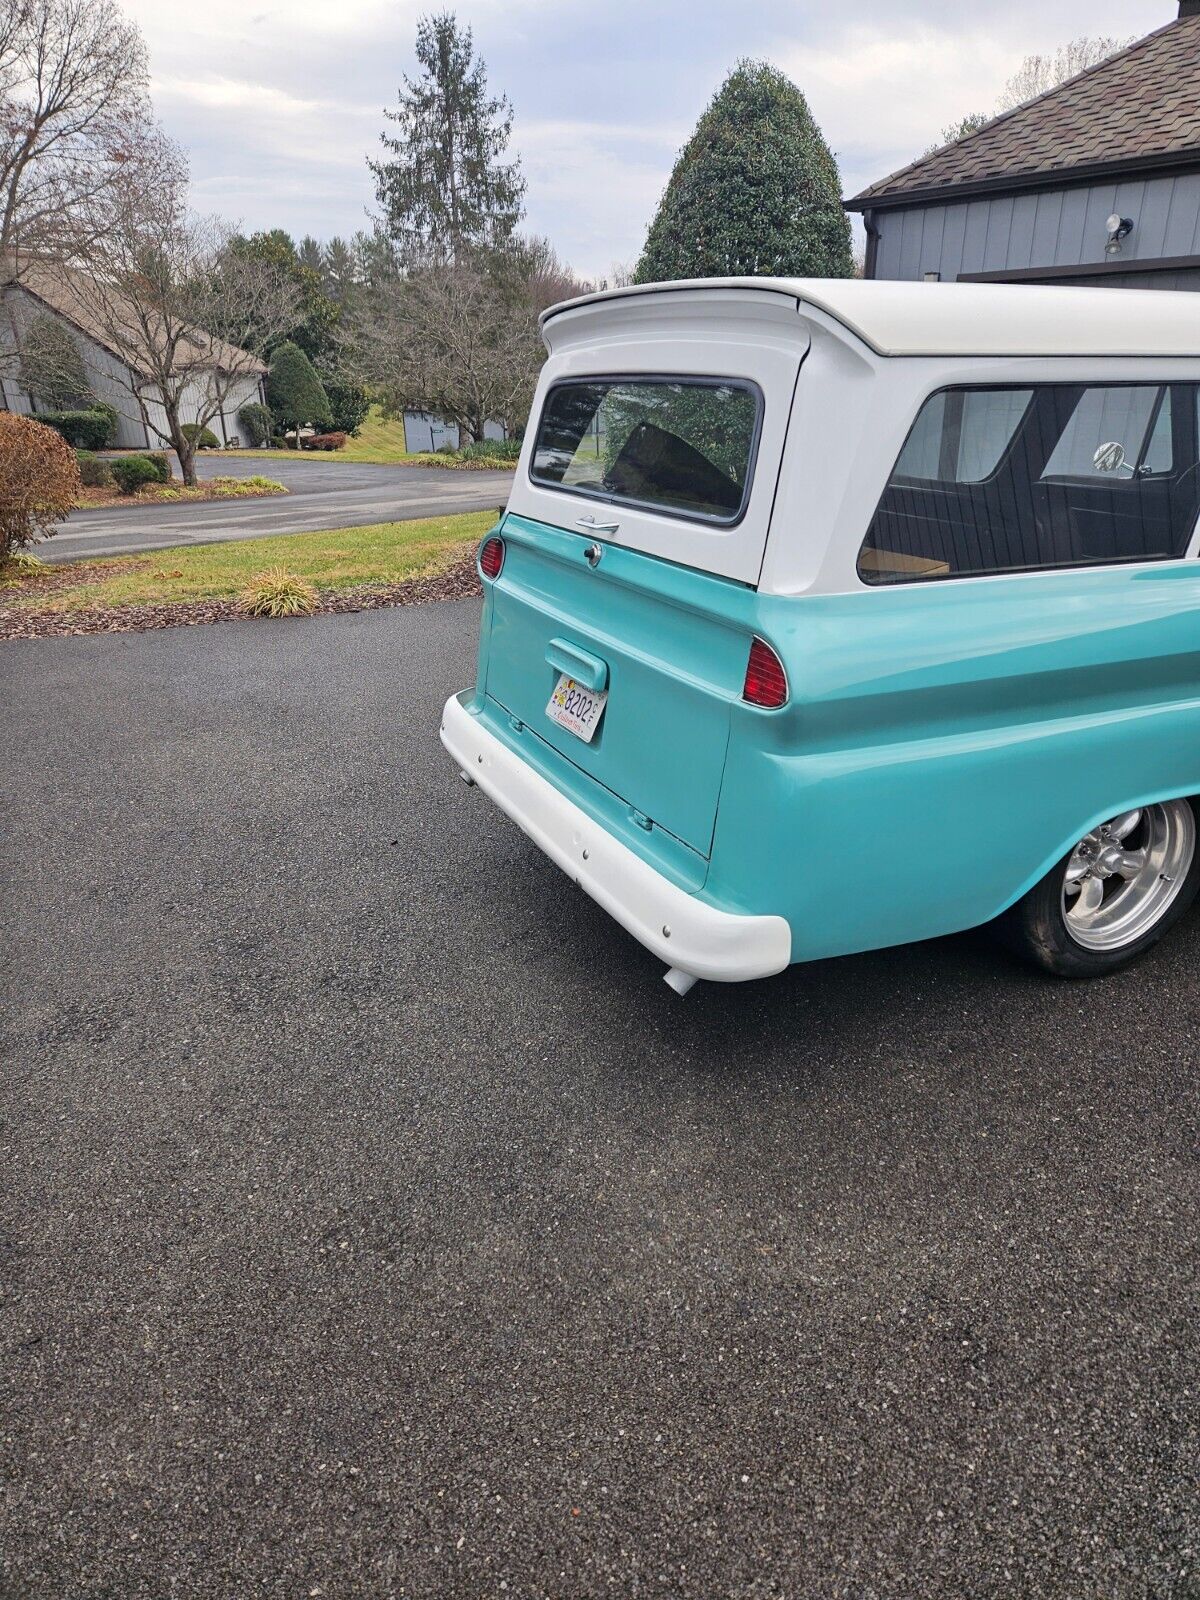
660, 639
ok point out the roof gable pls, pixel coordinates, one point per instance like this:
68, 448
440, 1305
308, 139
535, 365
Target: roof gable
59, 290
1140, 106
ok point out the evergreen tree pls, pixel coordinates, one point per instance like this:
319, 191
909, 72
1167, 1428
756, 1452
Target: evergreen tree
443, 187
309, 254
295, 393
339, 272
755, 191
52, 367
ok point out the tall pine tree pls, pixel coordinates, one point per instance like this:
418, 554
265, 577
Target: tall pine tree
443, 187
755, 191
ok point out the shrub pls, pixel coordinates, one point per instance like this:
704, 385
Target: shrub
447, 449
278, 442
93, 472
202, 438
278, 593
295, 392
492, 450
348, 405
133, 472
255, 420
230, 488
158, 460
86, 430
324, 441
102, 408
39, 481
20, 564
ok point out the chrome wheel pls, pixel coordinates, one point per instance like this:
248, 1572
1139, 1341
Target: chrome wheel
1122, 877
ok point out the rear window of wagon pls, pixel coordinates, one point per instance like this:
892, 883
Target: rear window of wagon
684, 447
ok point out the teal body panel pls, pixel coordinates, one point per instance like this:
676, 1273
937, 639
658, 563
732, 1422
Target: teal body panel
943, 745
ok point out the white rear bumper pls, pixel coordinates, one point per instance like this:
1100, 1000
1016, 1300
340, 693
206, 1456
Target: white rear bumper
681, 930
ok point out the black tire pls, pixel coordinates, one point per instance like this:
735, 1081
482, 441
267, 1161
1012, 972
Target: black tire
1037, 930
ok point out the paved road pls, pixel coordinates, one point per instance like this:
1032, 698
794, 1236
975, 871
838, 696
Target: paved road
323, 494
377, 1223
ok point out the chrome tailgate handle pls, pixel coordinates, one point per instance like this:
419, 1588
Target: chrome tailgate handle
593, 526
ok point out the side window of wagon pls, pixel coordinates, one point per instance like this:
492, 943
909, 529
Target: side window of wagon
1010, 479
681, 446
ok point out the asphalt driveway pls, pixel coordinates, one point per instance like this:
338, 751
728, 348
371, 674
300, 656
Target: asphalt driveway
322, 494
377, 1223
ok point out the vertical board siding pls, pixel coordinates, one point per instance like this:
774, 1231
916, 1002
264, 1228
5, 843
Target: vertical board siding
1046, 228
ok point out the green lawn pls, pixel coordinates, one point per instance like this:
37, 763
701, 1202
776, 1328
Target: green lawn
341, 558
378, 441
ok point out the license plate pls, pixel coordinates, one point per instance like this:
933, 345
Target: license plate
575, 708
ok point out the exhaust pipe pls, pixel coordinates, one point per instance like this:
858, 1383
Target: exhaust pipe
681, 982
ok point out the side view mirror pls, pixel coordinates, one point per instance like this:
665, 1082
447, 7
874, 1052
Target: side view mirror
1109, 457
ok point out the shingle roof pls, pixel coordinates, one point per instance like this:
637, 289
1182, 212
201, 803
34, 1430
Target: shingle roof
1143, 102
63, 290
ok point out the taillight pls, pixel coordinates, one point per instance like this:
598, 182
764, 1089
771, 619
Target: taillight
491, 557
766, 681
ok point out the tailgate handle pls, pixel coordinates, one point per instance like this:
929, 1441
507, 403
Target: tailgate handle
586, 669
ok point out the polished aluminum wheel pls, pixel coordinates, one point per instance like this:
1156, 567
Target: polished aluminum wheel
1122, 877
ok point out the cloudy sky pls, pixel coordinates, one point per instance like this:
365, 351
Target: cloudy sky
279, 102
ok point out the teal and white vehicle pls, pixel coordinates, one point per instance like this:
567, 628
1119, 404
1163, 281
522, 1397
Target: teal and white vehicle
832, 615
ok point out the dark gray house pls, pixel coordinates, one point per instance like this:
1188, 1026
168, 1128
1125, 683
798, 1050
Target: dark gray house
1096, 182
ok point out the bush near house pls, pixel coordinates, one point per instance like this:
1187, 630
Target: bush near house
85, 430
202, 438
39, 481
132, 473
94, 473
324, 441
295, 392
103, 409
255, 420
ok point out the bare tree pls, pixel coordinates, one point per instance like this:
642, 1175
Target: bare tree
1038, 74
444, 340
75, 123
460, 338
171, 299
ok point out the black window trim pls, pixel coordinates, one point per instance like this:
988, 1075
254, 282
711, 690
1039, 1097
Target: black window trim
1162, 383
682, 379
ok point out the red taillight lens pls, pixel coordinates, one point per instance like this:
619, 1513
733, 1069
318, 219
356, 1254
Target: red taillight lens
766, 681
491, 557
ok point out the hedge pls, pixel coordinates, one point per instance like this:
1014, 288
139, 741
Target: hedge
85, 430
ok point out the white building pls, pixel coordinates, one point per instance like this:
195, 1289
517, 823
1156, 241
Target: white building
55, 291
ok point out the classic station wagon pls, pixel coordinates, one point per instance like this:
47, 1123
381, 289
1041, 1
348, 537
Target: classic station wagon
831, 615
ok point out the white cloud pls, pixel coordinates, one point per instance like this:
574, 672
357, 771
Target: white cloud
594, 186
887, 95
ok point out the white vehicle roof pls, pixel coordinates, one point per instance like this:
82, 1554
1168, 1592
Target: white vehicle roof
954, 319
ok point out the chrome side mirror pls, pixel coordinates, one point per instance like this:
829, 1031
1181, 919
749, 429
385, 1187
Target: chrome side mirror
1109, 457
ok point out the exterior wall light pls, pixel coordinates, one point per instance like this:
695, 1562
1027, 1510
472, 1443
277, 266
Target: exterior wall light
1118, 228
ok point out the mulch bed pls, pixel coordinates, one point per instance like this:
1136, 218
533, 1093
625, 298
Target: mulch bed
458, 582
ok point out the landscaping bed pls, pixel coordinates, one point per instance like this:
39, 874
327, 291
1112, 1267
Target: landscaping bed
350, 569
255, 488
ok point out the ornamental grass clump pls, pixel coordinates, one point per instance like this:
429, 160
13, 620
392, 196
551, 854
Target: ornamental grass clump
20, 565
39, 482
278, 593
